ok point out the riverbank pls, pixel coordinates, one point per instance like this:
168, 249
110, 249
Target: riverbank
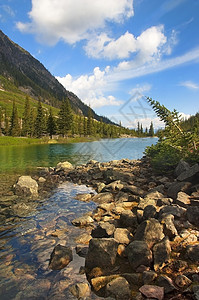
19, 141
143, 235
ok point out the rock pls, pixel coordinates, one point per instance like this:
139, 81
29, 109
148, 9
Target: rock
41, 180
192, 252
168, 226
181, 167
103, 230
80, 290
26, 187
84, 238
128, 219
100, 186
118, 288
180, 265
193, 215
123, 236
161, 253
134, 190
189, 174
149, 212
64, 166
81, 250
183, 199
182, 281
174, 210
149, 277
107, 206
150, 231
103, 198
152, 291
22, 209
101, 253
165, 282
188, 236
82, 221
177, 187
154, 195
113, 186
83, 197
60, 257
133, 278
99, 282
138, 253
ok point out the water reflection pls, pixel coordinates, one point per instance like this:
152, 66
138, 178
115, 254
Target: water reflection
25, 158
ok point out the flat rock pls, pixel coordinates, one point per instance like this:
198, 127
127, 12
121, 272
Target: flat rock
183, 199
152, 291
82, 221
103, 198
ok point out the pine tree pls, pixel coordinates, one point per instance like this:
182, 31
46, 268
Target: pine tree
89, 122
151, 129
0, 121
141, 129
6, 123
65, 120
39, 122
14, 122
51, 124
85, 126
32, 121
26, 119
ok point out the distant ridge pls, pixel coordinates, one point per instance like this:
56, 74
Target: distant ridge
29, 75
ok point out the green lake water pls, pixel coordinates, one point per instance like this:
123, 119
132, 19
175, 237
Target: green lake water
22, 159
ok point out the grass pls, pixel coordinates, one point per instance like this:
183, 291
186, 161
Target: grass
17, 141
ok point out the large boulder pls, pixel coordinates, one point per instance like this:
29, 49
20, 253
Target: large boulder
138, 253
193, 215
150, 231
60, 257
26, 187
118, 288
64, 166
177, 187
181, 167
102, 252
189, 174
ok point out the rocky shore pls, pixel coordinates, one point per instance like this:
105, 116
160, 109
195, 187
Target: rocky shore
142, 238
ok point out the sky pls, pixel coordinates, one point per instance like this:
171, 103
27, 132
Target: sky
114, 53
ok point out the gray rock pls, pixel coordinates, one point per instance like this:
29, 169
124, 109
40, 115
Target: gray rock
113, 186
192, 252
149, 212
82, 221
150, 231
165, 282
152, 292
174, 210
26, 187
119, 289
182, 281
80, 290
134, 190
60, 257
183, 199
177, 187
123, 236
101, 253
193, 215
161, 253
83, 197
81, 250
128, 219
64, 166
169, 228
189, 174
103, 230
138, 253
181, 167
103, 198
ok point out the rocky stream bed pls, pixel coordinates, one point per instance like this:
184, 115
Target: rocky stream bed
139, 242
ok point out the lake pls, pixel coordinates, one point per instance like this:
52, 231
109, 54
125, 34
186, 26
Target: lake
29, 233
22, 159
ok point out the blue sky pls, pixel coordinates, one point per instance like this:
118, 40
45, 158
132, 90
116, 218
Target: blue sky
110, 53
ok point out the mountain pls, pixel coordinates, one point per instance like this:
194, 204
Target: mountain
30, 76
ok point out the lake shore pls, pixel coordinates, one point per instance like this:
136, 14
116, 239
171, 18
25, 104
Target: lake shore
143, 235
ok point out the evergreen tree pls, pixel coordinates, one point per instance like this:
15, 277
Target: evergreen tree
89, 122
138, 128
151, 129
141, 129
65, 120
39, 122
32, 121
6, 123
85, 126
0, 121
26, 118
146, 131
14, 122
51, 124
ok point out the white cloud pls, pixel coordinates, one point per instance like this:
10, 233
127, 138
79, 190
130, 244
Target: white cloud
91, 89
73, 20
147, 45
190, 85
